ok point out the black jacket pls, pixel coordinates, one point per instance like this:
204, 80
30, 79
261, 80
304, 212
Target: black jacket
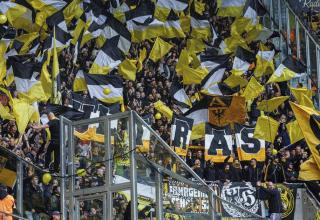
253, 174
274, 199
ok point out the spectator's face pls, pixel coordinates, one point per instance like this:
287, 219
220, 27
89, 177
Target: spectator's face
35, 180
298, 150
199, 153
253, 163
197, 163
270, 185
56, 217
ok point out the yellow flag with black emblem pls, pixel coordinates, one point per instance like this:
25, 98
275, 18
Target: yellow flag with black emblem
309, 121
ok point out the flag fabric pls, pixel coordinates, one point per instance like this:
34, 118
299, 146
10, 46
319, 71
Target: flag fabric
26, 21
294, 132
303, 96
290, 68
211, 61
230, 44
184, 60
23, 113
173, 27
224, 110
230, 8
243, 59
271, 104
61, 36
249, 147
46, 81
114, 28
266, 129
193, 76
179, 95
107, 89
164, 7
259, 33
12, 11
253, 89
108, 57
26, 43
309, 121
90, 135
199, 114
212, 85
45, 9
142, 24
218, 143
5, 113
253, 11
163, 109
79, 83
264, 64
160, 49
200, 26
309, 171
195, 45
128, 69
235, 80
181, 129
28, 87
55, 61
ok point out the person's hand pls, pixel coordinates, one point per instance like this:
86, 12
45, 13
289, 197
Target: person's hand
258, 183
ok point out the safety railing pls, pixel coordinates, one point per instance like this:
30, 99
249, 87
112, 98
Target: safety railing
3, 216
130, 170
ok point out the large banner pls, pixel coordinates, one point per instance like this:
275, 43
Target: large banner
218, 143
180, 133
249, 147
186, 198
244, 195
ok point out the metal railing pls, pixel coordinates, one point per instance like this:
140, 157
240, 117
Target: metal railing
3, 216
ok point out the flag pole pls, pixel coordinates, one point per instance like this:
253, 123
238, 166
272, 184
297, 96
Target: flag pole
54, 81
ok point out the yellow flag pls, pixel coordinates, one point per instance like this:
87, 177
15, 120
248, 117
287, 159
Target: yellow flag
294, 132
309, 170
193, 76
55, 62
46, 81
303, 96
266, 129
239, 26
183, 61
232, 43
281, 74
5, 113
195, 45
128, 69
309, 121
271, 104
159, 49
72, 10
163, 109
26, 40
253, 89
90, 135
235, 80
23, 112
142, 57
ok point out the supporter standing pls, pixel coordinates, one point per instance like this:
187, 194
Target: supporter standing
6, 204
273, 196
54, 146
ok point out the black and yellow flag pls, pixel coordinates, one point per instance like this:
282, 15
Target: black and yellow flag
309, 121
227, 109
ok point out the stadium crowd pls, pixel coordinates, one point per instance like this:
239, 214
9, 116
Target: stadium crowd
153, 83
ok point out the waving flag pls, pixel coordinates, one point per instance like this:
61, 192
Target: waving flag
107, 89
179, 95
109, 57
